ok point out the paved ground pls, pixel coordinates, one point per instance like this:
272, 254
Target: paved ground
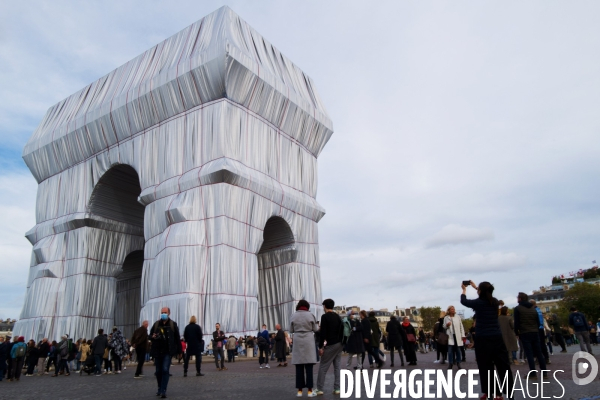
244, 380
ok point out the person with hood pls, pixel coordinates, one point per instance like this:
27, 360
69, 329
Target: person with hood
355, 344
411, 340
17, 353
527, 324
192, 334
99, 345
280, 344
490, 350
4, 354
394, 338
263, 347
441, 339
456, 333
303, 324
118, 349
166, 344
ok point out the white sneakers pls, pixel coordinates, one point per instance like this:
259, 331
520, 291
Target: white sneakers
436, 362
267, 366
261, 366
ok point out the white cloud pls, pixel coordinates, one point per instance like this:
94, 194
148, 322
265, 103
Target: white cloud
492, 262
457, 234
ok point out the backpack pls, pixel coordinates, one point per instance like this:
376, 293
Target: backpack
578, 321
262, 342
20, 351
347, 330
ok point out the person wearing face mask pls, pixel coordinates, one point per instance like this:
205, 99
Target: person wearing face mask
166, 343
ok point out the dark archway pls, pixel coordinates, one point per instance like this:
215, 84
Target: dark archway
129, 299
277, 250
115, 196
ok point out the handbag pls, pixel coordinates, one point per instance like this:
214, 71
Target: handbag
442, 338
410, 337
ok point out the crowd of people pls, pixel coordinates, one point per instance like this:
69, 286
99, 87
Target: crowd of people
496, 336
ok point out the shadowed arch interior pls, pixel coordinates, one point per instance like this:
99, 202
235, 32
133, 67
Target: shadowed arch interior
115, 196
128, 302
277, 250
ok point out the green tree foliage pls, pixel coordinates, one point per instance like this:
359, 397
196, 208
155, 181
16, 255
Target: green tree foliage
585, 297
430, 316
467, 323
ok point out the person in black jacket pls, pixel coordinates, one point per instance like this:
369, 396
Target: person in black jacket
193, 337
394, 339
33, 355
527, 322
166, 343
4, 355
99, 344
410, 342
139, 341
218, 337
44, 350
280, 345
490, 350
330, 346
441, 338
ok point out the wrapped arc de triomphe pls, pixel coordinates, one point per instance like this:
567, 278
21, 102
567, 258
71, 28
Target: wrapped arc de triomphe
185, 178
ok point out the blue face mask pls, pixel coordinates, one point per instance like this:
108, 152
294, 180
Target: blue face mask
164, 316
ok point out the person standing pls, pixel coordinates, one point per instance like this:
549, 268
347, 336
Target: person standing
581, 328
527, 324
507, 327
33, 355
541, 331
490, 350
84, 350
218, 338
330, 346
280, 345
422, 340
394, 339
557, 332
355, 344
456, 332
17, 353
4, 354
62, 356
118, 349
411, 339
375, 338
99, 345
192, 334
166, 344
303, 324
263, 347
441, 339
139, 341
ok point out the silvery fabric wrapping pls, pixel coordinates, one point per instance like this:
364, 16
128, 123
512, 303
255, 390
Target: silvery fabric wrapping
185, 178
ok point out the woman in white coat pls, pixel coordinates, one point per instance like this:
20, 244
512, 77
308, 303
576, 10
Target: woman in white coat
456, 333
303, 326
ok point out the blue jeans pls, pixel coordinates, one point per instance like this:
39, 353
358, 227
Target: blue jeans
453, 351
163, 364
532, 347
98, 360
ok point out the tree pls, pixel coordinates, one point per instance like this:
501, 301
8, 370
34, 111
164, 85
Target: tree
585, 297
430, 316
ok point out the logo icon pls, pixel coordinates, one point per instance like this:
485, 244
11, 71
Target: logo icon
581, 364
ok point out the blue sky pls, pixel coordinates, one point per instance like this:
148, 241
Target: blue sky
466, 133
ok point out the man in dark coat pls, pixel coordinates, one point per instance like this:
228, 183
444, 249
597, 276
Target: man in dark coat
4, 355
371, 336
527, 324
139, 341
193, 337
280, 346
394, 339
355, 344
166, 343
99, 344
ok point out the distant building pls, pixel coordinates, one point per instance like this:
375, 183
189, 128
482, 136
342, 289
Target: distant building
6, 327
548, 297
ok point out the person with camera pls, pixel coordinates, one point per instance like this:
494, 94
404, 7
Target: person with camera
490, 351
166, 343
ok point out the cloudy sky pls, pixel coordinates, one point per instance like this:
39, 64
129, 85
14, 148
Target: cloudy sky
466, 133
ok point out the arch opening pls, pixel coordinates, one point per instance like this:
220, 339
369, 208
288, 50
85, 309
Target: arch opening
115, 196
128, 302
277, 250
